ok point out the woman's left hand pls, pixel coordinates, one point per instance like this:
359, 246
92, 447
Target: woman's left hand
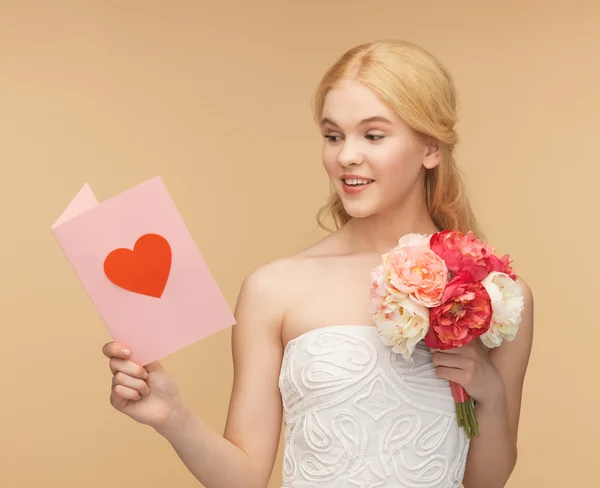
470, 367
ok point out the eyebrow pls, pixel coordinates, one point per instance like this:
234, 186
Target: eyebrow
376, 118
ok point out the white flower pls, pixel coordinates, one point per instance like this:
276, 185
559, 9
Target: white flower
378, 289
378, 279
414, 240
507, 308
401, 324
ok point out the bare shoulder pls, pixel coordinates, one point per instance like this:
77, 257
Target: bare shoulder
270, 285
512, 357
525, 334
271, 289
527, 322
527, 294
261, 295
524, 337
267, 280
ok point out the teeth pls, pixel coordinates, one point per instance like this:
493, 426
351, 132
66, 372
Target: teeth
357, 182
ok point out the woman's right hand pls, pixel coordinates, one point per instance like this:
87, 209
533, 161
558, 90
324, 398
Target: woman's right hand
146, 394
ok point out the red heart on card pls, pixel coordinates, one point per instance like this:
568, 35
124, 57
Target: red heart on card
145, 269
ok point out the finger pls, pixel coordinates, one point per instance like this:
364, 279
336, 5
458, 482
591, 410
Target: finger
116, 349
451, 374
448, 360
468, 348
454, 350
126, 393
153, 366
129, 381
128, 367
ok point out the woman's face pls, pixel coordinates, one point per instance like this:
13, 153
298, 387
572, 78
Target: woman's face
365, 140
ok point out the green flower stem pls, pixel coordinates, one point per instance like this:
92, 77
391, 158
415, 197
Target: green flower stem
465, 415
459, 414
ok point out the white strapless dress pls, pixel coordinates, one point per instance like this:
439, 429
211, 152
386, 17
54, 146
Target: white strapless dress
359, 415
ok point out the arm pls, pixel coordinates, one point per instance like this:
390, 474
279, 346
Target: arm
244, 456
493, 455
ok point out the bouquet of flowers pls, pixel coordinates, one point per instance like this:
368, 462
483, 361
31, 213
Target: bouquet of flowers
447, 289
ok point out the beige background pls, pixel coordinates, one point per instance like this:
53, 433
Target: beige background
216, 98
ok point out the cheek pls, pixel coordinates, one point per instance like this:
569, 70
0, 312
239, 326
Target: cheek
396, 165
329, 160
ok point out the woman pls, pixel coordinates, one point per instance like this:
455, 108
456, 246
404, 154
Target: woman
356, 414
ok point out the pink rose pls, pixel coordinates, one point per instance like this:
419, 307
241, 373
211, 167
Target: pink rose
415, 271
464, 314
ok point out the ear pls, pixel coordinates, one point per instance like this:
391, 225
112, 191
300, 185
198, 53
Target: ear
432, 156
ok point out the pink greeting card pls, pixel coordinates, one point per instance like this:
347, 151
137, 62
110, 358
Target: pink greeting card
142, 270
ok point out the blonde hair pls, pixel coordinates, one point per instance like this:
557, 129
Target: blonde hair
421, 91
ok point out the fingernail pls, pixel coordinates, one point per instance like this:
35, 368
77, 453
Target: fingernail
126, 352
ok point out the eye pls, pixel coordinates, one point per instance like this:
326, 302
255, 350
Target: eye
370, 137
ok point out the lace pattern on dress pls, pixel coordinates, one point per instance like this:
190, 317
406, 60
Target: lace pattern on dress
359, 415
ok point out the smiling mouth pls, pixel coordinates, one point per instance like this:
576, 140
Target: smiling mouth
355, 182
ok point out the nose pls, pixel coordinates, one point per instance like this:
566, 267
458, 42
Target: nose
349, 155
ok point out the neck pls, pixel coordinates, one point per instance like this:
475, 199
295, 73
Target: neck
380, 232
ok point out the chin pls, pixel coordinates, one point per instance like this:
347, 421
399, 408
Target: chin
359, 211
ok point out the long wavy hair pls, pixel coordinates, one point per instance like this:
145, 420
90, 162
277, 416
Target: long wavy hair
421, 91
